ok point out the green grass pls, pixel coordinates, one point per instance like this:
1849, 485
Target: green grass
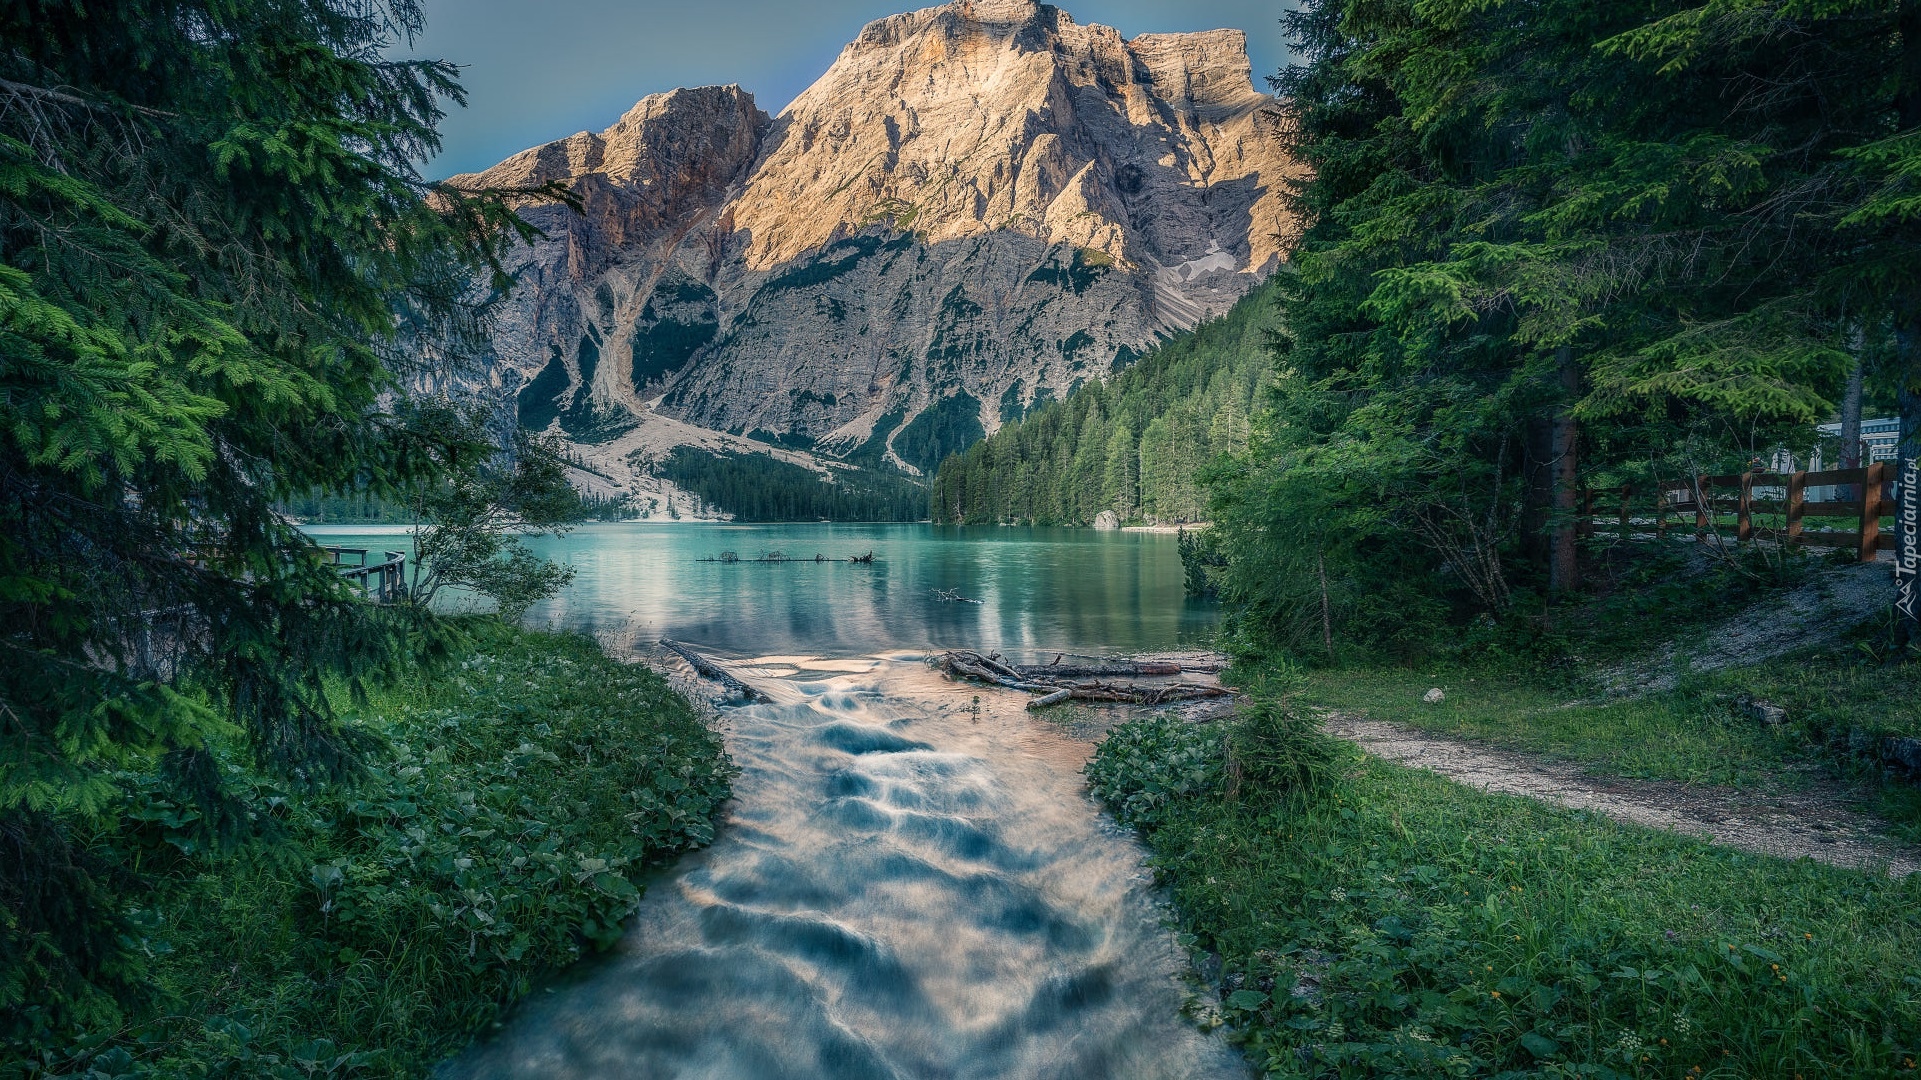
1408, 926
1839, 708
1694, 736
502, 833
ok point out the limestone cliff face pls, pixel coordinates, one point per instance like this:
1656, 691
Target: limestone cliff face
976, 207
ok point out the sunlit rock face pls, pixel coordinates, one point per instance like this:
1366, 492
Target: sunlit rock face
978, 206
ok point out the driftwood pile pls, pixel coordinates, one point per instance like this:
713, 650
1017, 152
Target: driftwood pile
1056, 682
782, 557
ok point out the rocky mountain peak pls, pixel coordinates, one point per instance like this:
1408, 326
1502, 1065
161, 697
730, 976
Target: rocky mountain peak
976, 207
980, 117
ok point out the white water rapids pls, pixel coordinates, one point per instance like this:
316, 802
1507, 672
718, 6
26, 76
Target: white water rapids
906, 886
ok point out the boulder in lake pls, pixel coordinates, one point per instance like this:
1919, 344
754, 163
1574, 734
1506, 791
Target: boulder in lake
1107, 520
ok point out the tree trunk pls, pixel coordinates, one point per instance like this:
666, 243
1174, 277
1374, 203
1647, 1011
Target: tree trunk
1851, 420
1851, 414
1327, 613
1564, 569
1537, 470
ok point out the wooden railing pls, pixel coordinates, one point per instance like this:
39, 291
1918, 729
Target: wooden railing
383, 582
1760, 513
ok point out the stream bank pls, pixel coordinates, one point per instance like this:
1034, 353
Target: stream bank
911, 882
1405, 925
511, 801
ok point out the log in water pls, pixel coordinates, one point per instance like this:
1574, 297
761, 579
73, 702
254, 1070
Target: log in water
911, 883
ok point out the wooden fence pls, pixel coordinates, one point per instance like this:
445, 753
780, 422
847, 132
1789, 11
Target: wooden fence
1770, 507
383, 582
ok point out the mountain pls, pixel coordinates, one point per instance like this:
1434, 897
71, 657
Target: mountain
977, 208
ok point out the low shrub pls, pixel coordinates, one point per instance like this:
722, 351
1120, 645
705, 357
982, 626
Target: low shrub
1147, 770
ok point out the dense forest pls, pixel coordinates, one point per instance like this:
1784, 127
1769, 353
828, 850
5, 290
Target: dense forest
1560, 245
346, 508
235, 802
755, 487
1134, 444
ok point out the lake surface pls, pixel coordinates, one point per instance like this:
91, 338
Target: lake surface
1040, 589
910, 882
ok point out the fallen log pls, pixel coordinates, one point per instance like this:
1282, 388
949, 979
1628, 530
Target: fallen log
1096, 671
1054, 698
993, 663
709, 670
1037, 680
1149, 695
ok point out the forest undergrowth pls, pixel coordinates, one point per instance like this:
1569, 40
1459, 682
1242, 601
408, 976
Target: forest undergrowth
503, 830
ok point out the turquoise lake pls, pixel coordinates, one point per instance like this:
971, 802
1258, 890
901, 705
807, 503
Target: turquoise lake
1039, 589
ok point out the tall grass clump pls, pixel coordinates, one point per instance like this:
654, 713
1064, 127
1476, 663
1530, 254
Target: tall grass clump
1277, 751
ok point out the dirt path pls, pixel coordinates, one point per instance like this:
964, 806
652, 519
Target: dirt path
1815, 825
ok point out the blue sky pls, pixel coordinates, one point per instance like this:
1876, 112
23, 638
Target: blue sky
541, 70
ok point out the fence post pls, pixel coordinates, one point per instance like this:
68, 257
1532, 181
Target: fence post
1702, 501
1744, 519
1871, 510
1626, 491
1797, 503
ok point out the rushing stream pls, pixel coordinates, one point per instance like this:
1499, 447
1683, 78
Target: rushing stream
911, 881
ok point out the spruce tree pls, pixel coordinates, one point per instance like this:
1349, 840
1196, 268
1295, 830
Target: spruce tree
216, 259
1554, 243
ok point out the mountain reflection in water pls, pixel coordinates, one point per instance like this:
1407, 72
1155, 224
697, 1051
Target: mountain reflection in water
1040, 589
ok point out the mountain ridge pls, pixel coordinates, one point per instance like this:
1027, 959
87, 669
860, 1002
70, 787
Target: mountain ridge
978, 207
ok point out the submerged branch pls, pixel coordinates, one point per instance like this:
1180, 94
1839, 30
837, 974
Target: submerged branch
709, 670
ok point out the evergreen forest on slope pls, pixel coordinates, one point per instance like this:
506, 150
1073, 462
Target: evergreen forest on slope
756, 487
1135, 444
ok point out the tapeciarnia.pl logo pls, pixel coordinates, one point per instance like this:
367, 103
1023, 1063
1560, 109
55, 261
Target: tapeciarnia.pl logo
1907, 566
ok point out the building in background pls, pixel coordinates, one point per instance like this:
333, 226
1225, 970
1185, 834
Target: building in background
1880, 441
1881, 438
